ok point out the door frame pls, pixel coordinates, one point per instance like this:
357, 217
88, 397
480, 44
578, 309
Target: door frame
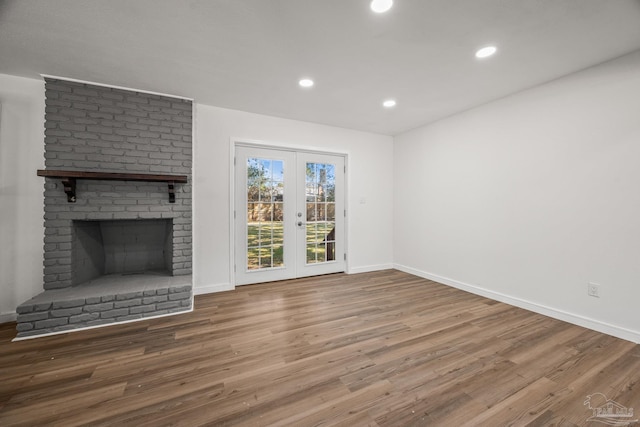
243, 142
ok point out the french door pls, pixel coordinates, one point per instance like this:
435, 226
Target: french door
289, 214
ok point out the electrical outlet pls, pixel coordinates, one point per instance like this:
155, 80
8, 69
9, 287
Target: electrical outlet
593, 289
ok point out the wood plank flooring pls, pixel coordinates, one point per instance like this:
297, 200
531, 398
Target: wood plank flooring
373, 349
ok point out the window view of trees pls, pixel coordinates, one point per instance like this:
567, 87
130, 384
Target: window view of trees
265, 228
320, 192
265, 213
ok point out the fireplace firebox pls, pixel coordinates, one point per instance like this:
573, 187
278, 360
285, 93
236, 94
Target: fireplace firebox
123, 247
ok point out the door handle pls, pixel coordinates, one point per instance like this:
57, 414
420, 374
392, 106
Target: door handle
299, 223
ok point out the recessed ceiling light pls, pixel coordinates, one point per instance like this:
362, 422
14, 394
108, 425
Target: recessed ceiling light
381, 6
306, 82
486, 52
389, 103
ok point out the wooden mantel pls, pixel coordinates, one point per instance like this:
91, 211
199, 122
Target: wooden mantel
69, 178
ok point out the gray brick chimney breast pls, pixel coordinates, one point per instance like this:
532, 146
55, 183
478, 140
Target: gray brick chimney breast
102, 129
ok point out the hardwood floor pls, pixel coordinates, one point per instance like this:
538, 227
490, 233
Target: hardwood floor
374, 349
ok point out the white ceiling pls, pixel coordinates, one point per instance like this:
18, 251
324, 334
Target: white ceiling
249, 54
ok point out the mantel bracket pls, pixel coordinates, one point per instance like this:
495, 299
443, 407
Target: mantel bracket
70, 189
172, 192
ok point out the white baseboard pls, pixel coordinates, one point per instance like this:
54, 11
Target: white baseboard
369, 268
10, 316
576, 319
223, 287
210, 289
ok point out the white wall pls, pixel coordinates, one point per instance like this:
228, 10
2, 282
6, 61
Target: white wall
21, 199
529, 198
369, 176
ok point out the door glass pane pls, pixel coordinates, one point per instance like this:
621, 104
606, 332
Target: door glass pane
265, 200
320, 189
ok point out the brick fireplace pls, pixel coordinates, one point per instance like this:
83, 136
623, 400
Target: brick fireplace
117, 208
